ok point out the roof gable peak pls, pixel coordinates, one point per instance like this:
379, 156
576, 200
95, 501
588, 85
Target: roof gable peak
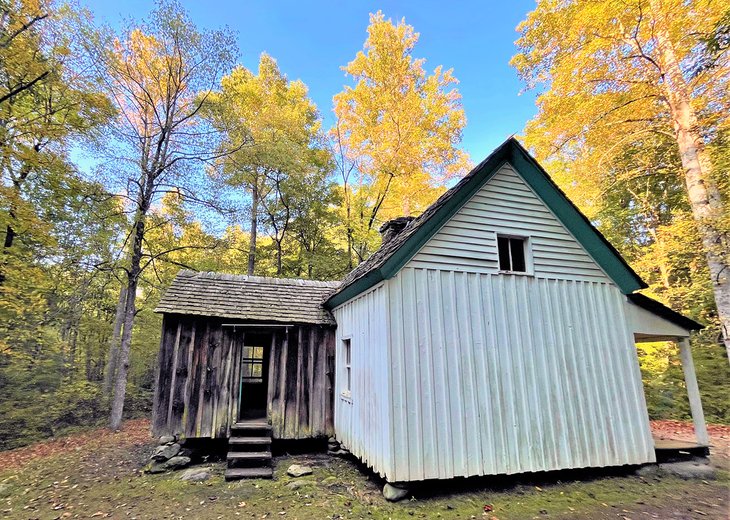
394, 254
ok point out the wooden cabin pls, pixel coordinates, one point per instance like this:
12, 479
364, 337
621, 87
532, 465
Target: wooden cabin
493, 334
245, 357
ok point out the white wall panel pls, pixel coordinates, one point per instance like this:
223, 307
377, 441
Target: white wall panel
505, 204
500, 374
362, 421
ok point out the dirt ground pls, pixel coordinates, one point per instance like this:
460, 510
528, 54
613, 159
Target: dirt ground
98, 475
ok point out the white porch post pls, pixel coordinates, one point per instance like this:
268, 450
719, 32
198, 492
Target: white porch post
693, 392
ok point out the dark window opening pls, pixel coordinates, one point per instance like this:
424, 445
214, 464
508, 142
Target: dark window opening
511, 254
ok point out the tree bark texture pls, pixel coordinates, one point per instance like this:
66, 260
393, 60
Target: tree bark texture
704, 196
111, 364
254, 224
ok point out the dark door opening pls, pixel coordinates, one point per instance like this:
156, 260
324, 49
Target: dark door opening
254, 376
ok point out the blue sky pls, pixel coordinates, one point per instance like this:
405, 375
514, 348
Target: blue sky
312, 40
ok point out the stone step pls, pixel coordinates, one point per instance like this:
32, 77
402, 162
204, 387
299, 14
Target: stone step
239, 473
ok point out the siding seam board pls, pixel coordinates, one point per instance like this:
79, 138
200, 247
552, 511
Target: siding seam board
520, 435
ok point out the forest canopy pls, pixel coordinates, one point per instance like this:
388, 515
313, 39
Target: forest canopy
132, 152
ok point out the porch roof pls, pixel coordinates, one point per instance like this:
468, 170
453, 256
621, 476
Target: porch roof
283, 300
654, 321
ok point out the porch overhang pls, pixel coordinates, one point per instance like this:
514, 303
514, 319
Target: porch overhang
653, 321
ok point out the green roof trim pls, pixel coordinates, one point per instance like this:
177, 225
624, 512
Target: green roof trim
425, 226
578, 224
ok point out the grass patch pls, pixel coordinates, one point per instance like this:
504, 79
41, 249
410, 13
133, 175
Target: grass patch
104, 480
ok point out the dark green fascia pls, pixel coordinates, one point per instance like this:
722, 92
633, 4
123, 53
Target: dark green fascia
448, 210
511, 152
358, 286
578, 224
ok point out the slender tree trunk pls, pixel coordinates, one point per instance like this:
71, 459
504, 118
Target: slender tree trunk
704, 196
254, 224
350, 240
7, 243
111, 363
278, 257
120, 380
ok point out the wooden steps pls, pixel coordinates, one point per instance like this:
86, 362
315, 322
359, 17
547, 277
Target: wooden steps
249, 451
249, 455
239, 473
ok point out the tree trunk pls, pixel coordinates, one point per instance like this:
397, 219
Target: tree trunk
254, 224
7, 244
349, 230
120, 380
278, 257
111, 364
704, 196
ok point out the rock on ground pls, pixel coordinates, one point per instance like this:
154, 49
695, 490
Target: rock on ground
690, 469
168, 465
393, 493
166, 439
297, 470
296, 484
195, 474
177, 462
166, 452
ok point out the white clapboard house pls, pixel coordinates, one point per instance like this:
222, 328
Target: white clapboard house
493, 334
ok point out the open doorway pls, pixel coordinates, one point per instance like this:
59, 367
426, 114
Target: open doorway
254, 376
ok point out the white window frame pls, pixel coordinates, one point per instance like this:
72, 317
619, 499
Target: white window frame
346, 391
527, 244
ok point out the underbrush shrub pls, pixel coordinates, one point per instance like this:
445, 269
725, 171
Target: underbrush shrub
663, 377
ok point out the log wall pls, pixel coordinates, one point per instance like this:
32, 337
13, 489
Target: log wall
198, 373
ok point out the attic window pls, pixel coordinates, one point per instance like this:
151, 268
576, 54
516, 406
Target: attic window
512, 254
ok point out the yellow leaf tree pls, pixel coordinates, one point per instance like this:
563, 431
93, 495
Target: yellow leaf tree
396, 134
280, 125
621, 78
158, 73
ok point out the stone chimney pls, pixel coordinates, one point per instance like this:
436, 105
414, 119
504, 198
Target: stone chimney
391, 228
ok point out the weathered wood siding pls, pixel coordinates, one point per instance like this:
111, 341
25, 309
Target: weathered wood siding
301, 382
198, 375
506, 204
500, 374
362, 420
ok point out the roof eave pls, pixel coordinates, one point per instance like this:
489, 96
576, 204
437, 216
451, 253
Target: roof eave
511, 151
661, 310
356, 287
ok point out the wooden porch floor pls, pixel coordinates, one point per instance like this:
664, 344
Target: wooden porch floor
666, 448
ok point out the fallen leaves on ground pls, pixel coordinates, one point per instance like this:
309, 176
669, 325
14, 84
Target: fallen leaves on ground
133, 432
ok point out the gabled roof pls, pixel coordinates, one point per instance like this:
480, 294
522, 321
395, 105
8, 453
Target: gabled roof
394, 254
665, 312
248, 298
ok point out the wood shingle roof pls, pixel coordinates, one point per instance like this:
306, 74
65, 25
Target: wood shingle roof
248, 298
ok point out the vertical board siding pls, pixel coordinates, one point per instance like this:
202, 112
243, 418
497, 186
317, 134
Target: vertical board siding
505, 204
198, 374
495, 374
362, 421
